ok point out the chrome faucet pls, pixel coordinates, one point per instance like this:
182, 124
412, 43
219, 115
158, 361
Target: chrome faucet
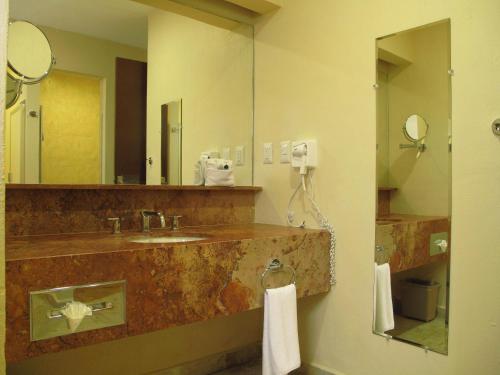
116, 224
175, 222
146, 219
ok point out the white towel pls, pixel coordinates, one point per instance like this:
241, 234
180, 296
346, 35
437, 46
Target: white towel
383, 314
219, 177
280, 343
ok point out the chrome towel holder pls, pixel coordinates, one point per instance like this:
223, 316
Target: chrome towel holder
276, 266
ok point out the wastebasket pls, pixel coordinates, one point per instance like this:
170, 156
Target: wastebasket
419, 299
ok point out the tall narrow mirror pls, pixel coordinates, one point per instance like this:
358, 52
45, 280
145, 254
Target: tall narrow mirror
412, 248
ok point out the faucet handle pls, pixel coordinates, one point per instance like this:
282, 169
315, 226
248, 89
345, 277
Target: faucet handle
116, 224
175, 221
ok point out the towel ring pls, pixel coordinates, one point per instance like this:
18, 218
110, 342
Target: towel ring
276, 266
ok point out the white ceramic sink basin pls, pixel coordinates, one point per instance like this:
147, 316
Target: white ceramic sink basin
177, 239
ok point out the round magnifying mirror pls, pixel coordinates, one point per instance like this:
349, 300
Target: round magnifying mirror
12, 92
415, 128
29, 56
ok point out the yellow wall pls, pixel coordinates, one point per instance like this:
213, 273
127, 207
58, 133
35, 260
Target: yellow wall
71, 117
315, 67
210, 69
421, 88
82, 54
4, 11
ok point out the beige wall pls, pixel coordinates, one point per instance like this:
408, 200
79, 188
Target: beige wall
315, 67
4, 11
210, 69
71, 128
83, 54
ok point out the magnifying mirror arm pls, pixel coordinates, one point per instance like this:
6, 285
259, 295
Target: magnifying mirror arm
421, 147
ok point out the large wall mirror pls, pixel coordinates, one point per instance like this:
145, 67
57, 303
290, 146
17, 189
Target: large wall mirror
116, 92
412, 249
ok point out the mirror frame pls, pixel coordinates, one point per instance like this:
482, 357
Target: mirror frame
410, 138
18, 76
18, 90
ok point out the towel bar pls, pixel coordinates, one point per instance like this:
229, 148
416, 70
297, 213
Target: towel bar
276, 266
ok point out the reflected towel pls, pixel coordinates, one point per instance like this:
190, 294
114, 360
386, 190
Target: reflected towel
280, 343
383, 315
218, 172
219, 177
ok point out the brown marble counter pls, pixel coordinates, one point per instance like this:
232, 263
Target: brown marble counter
167, 284
404, 240
128, 187
403, 218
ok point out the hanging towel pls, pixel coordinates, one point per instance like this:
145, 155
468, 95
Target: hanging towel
383, 315
280, 343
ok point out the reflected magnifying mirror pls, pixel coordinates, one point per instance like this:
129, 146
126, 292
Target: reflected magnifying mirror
415, 128
29, 56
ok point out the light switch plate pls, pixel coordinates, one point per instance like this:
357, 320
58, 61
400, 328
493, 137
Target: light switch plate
226, 153
268, 153
214, 154
239, 156
285, 152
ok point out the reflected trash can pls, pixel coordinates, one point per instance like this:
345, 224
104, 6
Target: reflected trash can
419, 299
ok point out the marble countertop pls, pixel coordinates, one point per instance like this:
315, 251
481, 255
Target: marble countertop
167, 284
57, 245
405, 218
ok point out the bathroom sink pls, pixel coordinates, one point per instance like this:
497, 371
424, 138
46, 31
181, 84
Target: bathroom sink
173, 239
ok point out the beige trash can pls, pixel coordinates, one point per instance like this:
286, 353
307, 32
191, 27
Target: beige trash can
419, 299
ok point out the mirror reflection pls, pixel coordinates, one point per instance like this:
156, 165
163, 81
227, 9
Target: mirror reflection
135, 95
412, 248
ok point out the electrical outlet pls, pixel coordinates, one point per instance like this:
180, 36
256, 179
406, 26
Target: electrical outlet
268, 153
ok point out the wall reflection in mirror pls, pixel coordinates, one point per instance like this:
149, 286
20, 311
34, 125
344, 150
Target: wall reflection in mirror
412, 249
130, 94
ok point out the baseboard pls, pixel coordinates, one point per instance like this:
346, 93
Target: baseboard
215, 362
441, 311
313, 369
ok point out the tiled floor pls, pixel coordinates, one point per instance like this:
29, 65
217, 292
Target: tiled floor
433, 334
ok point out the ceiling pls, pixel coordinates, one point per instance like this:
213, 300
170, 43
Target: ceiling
122, 21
